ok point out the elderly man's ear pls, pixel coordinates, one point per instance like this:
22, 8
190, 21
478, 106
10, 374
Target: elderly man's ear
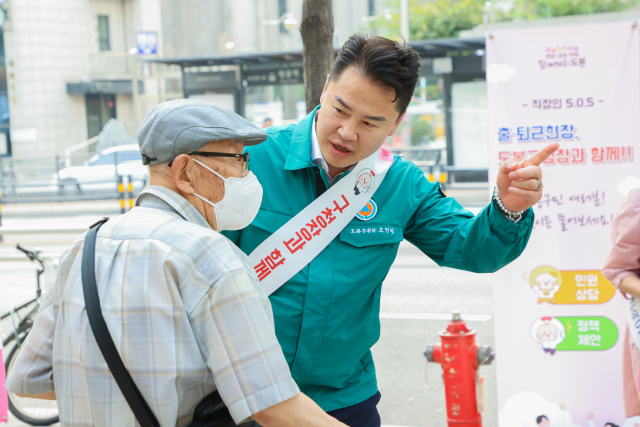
182, 172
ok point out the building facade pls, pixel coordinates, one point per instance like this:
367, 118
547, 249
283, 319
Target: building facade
69, 69
71, 65
199, 28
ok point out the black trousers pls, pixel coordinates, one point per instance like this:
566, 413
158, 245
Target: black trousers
364, 414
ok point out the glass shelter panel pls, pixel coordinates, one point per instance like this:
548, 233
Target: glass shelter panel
281, 104
470, 124
420, 137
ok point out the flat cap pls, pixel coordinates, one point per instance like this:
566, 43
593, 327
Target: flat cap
184, 126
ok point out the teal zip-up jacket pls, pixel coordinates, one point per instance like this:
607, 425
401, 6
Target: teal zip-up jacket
327, 315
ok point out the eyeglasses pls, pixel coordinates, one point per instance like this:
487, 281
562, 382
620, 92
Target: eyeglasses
242, 158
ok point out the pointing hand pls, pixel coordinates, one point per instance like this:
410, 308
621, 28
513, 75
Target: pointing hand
520, 183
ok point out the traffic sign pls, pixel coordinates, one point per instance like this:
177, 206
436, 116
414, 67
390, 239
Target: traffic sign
147, 42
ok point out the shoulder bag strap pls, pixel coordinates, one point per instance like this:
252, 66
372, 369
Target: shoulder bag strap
134, 398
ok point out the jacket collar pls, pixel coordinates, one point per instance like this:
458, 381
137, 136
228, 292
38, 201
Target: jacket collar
299, 156
170, 201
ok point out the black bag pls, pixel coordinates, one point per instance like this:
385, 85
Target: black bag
210, 412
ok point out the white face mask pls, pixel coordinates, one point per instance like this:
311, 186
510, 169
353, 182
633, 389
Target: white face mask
241, 201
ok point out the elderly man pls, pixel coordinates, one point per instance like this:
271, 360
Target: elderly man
181, 302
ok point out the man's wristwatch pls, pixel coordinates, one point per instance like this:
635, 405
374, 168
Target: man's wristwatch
497, 202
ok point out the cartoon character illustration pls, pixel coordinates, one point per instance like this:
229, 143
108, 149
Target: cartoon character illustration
562, 419
591, 422
546, 285
546, 281
633, 421
548, 332
365, 181
527, 409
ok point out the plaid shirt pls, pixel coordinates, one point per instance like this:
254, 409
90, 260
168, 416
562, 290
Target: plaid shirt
185, 311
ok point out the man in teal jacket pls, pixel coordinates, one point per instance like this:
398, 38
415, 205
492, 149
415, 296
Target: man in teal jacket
327, 315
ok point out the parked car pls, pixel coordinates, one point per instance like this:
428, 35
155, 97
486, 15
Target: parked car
102, 170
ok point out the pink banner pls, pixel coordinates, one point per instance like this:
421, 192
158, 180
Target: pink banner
4, 403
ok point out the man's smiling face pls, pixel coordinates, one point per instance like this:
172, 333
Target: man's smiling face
355, 118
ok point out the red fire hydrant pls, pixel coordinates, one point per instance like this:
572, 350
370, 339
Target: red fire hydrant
460, 358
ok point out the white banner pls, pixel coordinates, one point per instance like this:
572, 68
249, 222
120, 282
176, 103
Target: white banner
283, 254
559, 323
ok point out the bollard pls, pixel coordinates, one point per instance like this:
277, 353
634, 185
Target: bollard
460, 358
121, 191
130, 192
430, 176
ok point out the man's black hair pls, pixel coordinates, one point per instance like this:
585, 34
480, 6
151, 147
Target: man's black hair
382, 60
540, 418
610, 425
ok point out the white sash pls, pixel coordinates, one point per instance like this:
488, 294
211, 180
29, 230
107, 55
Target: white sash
633, 320
304, 236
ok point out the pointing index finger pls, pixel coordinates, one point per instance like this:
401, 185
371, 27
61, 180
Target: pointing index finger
508, 166
542, 155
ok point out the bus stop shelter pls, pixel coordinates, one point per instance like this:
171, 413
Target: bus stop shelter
261, 85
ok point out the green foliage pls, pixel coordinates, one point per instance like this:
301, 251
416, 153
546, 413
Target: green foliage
421, 130
433, 92
434, 19
535, 9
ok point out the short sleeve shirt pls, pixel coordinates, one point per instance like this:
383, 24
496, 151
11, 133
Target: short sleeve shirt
186, 313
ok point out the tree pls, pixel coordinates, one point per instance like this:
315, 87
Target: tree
433, 19
318, 54
421, 131
446, 18
535, 9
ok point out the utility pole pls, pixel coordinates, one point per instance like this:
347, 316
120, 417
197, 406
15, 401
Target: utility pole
404, 20
318, 54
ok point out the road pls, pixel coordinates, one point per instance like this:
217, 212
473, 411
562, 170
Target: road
415, 289
415, 284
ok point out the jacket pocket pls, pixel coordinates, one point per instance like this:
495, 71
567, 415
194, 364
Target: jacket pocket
270, 221
361, 235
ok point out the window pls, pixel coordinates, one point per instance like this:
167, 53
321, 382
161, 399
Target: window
103, 32
107, 159
282, 9
129, 156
